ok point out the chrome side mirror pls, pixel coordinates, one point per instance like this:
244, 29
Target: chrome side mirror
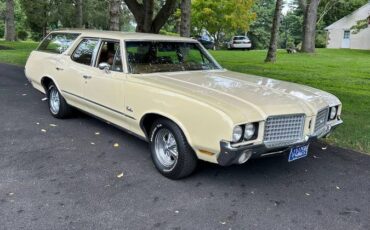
104, 66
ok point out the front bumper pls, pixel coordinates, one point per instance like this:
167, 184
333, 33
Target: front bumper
230, 155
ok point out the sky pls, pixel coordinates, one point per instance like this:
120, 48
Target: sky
286, 6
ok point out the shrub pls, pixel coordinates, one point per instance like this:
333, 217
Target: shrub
22, 35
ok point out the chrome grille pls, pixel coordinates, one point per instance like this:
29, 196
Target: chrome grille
321, 119
283, 130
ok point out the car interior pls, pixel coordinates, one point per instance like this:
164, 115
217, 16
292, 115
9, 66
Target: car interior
110, 53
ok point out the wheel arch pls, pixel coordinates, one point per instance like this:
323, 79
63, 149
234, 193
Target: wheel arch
147, 120
45, 82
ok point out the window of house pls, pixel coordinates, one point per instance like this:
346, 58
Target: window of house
110, 53
57, 42
347, 34
83, 54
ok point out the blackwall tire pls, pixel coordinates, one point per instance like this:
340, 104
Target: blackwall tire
171, 154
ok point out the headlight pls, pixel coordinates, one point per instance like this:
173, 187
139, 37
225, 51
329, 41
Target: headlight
249, 131
237, 133
333, 113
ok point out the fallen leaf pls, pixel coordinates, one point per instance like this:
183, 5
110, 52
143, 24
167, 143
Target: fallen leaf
24, 94
43, 130
176, 211
97, 133
53, 125
44, 99
324, 147
37, 123
337, 187
92, 143
315, 157
116, 145
307, 194
120, 175
11, 193
252, 192
222, 222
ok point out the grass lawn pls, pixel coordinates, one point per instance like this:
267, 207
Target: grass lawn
345, 73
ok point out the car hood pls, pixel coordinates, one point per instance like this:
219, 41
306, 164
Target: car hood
245, 97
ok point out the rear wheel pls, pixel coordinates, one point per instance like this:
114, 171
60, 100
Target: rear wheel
171, 154
58, 106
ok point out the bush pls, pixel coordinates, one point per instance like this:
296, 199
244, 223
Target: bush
22, 35
320, 39
2, 29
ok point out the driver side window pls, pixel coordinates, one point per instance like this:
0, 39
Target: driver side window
110, 54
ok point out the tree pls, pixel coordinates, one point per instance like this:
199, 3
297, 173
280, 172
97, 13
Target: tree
260, 29
271, 54
309, 26
144, 14
79, 14
38, 18
9, 21
114, 15
220, 17
185, 18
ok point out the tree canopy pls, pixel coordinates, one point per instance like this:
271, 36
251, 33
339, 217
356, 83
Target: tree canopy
220, 17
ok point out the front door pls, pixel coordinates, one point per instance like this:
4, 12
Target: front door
346, 39
104, 87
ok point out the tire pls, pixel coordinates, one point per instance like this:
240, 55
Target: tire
58, 106
163, 151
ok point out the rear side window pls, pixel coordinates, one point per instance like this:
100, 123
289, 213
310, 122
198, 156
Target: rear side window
57, 42
84, 52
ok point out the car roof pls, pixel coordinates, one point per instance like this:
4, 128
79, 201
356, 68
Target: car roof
124, 35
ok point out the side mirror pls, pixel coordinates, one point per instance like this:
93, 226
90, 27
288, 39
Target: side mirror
104, 66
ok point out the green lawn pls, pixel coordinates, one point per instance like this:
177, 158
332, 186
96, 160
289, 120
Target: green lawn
345, 73
19, 54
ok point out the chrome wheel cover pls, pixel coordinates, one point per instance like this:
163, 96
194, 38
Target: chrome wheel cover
165, 147
54, 101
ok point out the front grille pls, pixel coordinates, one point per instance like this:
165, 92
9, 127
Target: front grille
283, 130
321, 119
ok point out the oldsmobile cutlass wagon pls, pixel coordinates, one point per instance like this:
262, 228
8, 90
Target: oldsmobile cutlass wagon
171, 92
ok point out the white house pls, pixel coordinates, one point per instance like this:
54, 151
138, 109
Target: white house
339, 33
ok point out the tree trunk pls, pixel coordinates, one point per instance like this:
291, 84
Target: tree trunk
9, 21
309, 26
114, 15
185, 18
143, 13
271, 54
148, 15
79, 15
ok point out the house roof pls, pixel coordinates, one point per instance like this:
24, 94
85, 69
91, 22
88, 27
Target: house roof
348, 21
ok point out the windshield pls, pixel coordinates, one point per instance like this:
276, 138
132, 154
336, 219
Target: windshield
152, 57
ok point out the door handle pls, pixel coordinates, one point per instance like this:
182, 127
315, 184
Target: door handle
59, 69
87, 77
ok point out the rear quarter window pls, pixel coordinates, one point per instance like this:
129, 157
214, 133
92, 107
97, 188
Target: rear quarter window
57, 42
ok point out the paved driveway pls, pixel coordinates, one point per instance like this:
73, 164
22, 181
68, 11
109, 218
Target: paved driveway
66, 178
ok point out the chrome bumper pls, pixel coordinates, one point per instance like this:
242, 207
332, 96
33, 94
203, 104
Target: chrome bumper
229, 155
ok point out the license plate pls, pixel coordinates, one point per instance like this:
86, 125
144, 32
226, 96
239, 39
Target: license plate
298, 152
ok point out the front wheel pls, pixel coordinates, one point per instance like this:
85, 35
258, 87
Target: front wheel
171, 154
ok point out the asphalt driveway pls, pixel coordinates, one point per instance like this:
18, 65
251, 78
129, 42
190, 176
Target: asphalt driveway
62, 174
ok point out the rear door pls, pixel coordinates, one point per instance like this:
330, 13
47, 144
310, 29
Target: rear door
104, 88
75, 69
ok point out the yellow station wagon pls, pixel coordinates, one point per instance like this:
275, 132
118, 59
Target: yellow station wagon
171, 92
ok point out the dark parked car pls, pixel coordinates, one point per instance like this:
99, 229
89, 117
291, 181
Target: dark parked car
208, 44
